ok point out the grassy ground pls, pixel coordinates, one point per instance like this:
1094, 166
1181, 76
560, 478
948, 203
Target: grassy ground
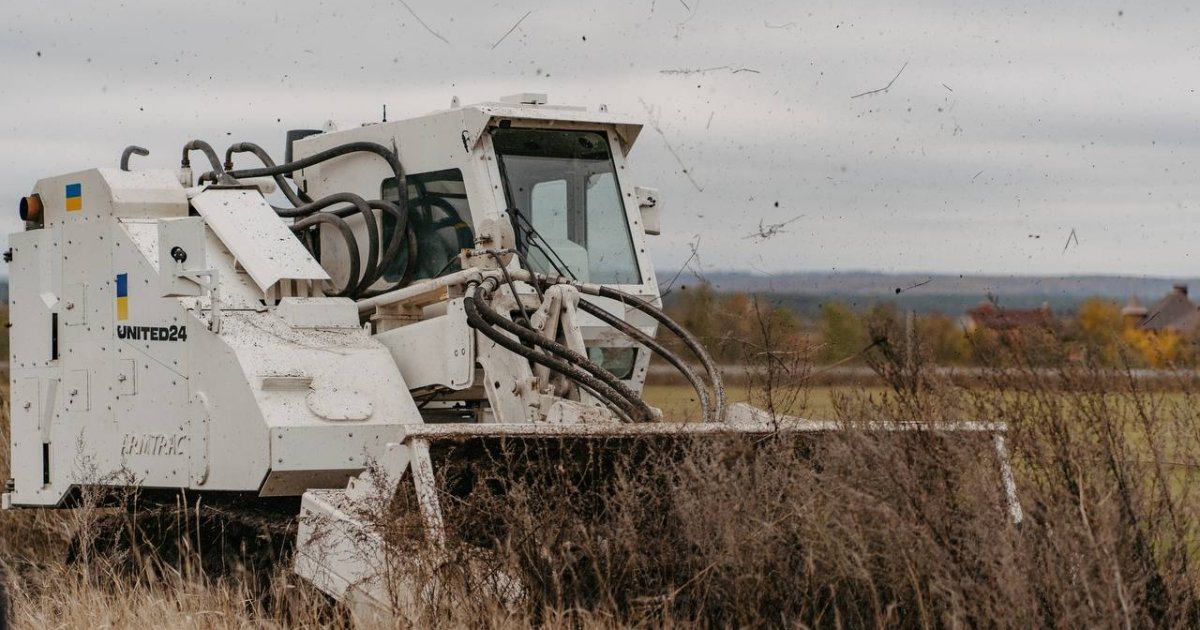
678, 402
898, 530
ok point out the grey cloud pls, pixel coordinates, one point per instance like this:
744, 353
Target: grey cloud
1075, 117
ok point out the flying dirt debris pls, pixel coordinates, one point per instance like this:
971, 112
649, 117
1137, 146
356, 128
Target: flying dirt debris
433, 296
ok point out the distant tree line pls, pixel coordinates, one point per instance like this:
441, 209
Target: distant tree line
738, 327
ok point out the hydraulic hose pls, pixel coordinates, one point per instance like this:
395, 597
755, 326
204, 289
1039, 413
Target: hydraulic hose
376, 264
295, 196
200, 145
512, 286
714, 375
362, 207
621, 413
324, 202
605, 393
537, 286
328, 154
130, 150
351, 245
393, 246
641, 411
410, 266
642, 305
304, 205
633, 332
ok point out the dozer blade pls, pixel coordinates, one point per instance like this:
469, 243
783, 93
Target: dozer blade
443, 498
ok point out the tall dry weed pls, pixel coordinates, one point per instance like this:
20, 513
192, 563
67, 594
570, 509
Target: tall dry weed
849, 528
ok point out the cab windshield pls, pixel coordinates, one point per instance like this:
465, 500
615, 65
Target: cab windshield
565, 204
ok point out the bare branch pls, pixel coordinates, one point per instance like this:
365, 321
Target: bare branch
679, 26
687, 71
919, 284
422, 22
694, 265
770, 231
886, 87
654, 124
1071, 237
670, 285
509, 32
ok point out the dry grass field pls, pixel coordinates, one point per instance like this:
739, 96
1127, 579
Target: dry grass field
849, 529
678, 402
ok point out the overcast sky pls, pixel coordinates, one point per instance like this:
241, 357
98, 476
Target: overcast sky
1011, 125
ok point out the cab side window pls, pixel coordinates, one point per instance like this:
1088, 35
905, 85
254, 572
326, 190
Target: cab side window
440, 215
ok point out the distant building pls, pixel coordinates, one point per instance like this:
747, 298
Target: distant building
1175, 312
988, 316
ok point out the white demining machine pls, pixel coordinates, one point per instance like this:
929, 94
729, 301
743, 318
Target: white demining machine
480, 272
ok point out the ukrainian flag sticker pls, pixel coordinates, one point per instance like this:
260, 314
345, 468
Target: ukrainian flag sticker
74, 197
122, 296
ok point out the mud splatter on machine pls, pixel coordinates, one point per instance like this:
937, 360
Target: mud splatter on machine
476, 273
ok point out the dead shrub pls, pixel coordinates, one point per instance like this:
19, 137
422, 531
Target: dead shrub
862, 526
